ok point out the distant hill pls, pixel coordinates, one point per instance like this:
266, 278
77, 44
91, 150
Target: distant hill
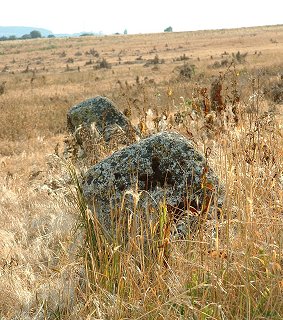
20, 31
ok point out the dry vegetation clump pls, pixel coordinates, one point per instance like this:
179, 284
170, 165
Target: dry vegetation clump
186, 71
276, 91
155, 61
103, 64
57, 261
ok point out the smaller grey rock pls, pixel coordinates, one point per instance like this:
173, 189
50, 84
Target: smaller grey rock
101, 113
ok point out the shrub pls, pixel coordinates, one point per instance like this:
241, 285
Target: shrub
2, 88
182, 58
221, 64
92, 52
216, 95
240, 57
26, 36
70, 60
88, 63
154, 61
276, 92
215, 65
103, 64
186, 71
63, 54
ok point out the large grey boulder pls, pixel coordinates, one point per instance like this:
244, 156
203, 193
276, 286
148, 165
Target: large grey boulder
103, 118
164, 167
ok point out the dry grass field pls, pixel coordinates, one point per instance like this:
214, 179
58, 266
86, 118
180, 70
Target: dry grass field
226, 86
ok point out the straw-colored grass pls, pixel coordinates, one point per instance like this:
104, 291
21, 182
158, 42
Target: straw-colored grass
58, 262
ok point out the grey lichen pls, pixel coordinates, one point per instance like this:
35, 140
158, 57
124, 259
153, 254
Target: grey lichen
164, 167
104, 115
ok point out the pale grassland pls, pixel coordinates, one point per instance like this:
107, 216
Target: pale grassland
55, 260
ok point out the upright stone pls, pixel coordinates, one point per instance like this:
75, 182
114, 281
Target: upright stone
164, 167
101, 115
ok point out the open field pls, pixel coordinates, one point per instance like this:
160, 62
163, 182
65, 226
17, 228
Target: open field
232, 267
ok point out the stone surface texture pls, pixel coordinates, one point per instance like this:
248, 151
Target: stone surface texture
102, 117
164, 168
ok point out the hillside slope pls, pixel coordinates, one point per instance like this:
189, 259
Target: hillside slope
20, 31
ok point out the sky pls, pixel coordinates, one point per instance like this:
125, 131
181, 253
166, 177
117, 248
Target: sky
143, 16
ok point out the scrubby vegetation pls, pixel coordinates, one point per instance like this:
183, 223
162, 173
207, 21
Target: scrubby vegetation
57, 261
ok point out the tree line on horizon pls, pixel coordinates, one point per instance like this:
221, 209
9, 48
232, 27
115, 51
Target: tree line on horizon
34, 34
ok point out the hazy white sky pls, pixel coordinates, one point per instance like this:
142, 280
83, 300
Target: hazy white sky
110, 16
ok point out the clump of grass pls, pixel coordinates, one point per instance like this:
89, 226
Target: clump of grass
239, 57
119, 263
2, 87
92, 52
103, 64
222, 64
186, 71
70, 60
89, 62
155, 61
183, 57
276, 92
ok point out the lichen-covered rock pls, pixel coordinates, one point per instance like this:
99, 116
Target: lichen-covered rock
164, 168
101, 113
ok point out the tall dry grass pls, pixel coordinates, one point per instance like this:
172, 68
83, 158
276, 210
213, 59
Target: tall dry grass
231, 268
57, 261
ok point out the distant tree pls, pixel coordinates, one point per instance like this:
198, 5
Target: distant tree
12, 38
86, 34
169, 29
125, 31
35, 34
3, 38
26, 36
51, 36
